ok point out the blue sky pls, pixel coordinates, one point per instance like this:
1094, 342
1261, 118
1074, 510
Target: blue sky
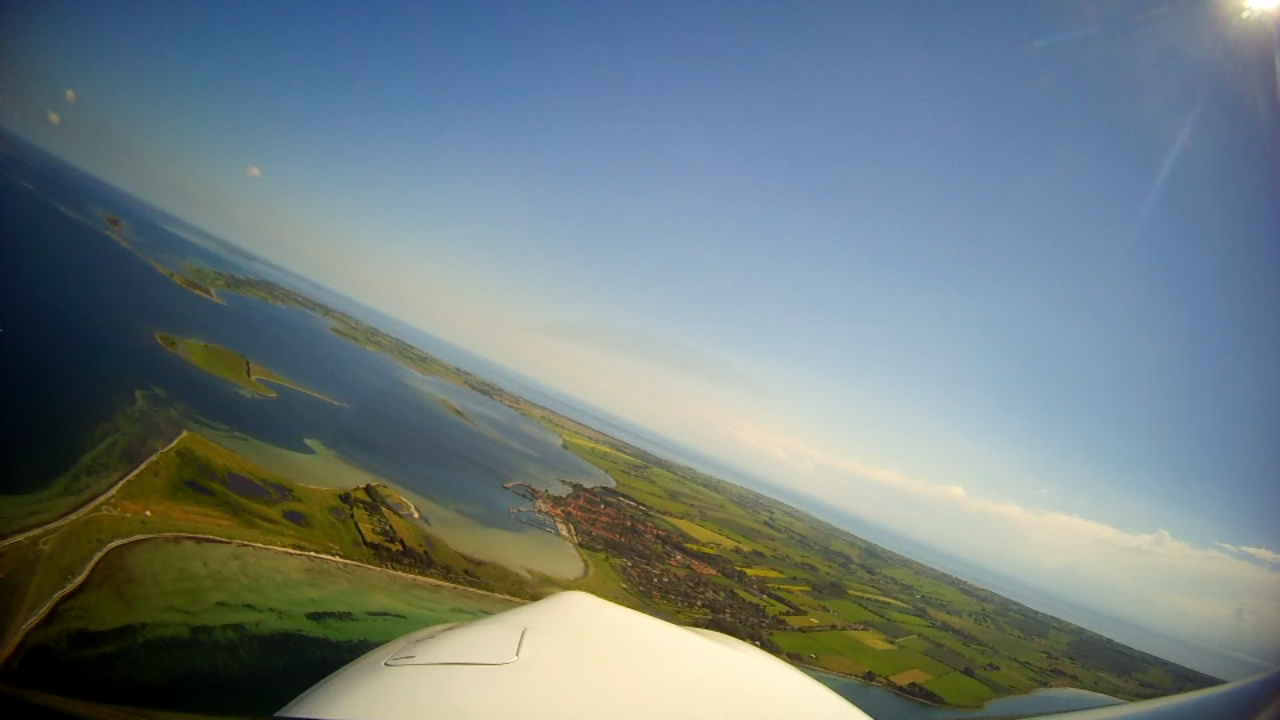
1002, 276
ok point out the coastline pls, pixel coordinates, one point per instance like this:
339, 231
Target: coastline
18, 627
115, 231
976, 711
520, 551
276, 379
894, 689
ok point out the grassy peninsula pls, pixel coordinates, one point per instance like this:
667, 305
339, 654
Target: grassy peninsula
185, 282
349, 328
118, 230
230, 366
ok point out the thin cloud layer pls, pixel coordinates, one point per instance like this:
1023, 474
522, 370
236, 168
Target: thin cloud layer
253, 171
650, 347
1263, 554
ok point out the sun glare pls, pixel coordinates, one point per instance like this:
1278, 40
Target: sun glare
1257, 7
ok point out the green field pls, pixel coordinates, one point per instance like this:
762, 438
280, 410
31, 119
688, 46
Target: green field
960, 689
235, 613
851, 611
165, 583
846, 644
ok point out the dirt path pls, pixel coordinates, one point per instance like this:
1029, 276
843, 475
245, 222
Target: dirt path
94, 502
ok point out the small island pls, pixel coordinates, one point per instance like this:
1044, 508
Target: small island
231, 366
451, 407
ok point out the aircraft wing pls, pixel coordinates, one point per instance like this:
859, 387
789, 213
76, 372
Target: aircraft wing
571, 655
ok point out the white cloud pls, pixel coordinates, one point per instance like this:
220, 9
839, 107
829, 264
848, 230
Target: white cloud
70, 96
1263, 554
253, 171
1154, 578
54, 118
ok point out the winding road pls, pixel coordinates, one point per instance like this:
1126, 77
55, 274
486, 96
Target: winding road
94, 502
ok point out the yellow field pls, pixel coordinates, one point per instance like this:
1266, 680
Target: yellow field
801, 621
881, 598
579, 440
844, 665
702, 534
761, 572
872, 639
906, 677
